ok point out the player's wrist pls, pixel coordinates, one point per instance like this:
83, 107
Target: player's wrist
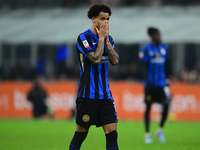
101, 38
107, 40
168, 81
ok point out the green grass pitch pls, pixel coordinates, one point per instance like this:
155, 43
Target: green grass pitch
56, 135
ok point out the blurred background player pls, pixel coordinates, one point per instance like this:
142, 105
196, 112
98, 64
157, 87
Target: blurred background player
37, 96
155, 60
95, 105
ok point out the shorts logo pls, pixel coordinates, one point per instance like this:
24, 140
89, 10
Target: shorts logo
86, 118
85, 43
149, 98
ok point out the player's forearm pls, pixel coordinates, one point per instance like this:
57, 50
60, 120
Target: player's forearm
95, 57
112, 55
100, 49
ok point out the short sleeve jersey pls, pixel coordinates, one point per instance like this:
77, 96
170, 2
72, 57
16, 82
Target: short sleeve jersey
155, 58
94, 82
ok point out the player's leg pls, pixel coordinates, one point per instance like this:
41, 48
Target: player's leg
164, 113
107, 118
147, 138
147, 117
159, 132
166, 96
79, 136
149, 99
84, 119
111, 136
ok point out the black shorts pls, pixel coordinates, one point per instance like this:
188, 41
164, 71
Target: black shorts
95, 112
158, 95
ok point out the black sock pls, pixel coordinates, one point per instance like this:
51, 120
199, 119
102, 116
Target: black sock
111, 141
147, 117
164, 114
77, 140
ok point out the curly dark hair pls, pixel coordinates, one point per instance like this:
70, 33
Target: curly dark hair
152, 30
97, 8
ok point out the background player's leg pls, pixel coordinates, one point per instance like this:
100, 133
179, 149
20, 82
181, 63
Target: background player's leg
147, 117
111, 136
165, 111
164, 114
148, 138
79, 137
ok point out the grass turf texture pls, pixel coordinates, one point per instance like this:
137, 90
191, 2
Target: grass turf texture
56, 135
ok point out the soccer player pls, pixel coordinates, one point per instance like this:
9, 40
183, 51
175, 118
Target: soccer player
94, 103
155, 60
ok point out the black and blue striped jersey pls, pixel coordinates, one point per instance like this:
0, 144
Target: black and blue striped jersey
155, 58
94, 82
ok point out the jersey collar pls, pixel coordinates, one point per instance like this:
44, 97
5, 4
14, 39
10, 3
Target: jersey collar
96, 37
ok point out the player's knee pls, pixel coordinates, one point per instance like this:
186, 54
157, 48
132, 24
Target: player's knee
109, 127
82, 128
112, 136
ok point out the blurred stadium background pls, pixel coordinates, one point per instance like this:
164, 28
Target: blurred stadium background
38, 40
38, 37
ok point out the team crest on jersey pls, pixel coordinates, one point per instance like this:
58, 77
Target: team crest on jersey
158, 55
85, 43
163, 51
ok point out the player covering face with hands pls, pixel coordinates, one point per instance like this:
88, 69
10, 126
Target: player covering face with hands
94, 102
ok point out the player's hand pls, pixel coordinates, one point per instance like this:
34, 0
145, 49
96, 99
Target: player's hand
103, 31
107, 25
168, 82
107, 39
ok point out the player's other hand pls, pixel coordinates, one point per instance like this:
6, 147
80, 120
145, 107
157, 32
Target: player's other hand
169, 80
103, 31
